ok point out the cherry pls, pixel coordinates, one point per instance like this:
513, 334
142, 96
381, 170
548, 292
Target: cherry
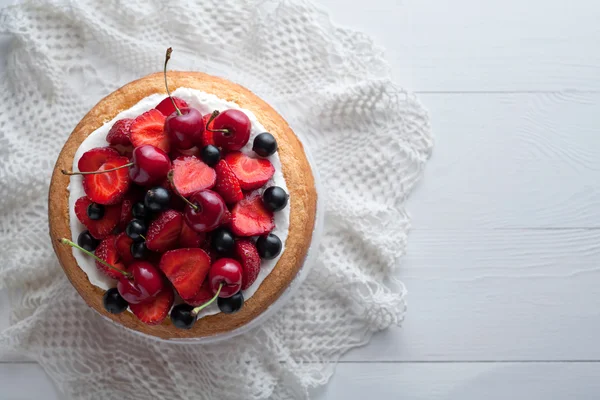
206, 211
184, 316
150, 165
228, 273
231, 129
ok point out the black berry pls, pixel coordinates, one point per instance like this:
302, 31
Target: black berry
268, 246
223, 241
113, 302
182, 316
87, 241
264, 144
135, 229
231, 304
139, 211
210, 155
275, 198
95, 211
157, 199
139, 250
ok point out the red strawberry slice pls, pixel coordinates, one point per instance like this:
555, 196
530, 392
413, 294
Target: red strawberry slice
176, 153
186, 269
154, 311
203, 296
166, 106
93, 159
107, 251
189, 237
126, 215
227, 185
191, 175
207, 136
250, 217
123, 245
248, 256
226, 220
119, 132
109, 187
163, 232
149, 128
252, 173
98, 228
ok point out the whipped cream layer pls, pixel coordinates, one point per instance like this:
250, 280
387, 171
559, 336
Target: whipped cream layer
205, 103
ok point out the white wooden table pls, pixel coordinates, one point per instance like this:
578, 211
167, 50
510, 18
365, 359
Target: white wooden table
503, 264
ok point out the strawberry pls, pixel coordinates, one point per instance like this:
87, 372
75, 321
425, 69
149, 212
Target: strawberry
203, 296
107, 251
163, 232
252, 173
166, 106
248, 256
109, 187
191, 175
186, 269
149, 128
250, 217
226, 220
119, 132
154, 311
126, 214
227, 185
176, 153
207, 136
98, 228
189, 237
93, 159
123, 245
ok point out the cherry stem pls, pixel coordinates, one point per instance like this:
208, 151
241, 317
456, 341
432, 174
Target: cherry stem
189, 203
167, 58
64, 171
214, 115
196, 310
89, 253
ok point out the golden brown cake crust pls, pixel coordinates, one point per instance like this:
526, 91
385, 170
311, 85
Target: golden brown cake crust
296, 171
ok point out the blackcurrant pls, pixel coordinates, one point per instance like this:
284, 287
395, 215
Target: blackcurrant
264, 144
223, 241
182, 316
95, 211
87, 241
135, 229
113, 302
139, 251
157, 199
268, 246
275, 198
139, 211
210, 155
231, 304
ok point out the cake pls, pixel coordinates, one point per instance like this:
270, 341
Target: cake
182, 205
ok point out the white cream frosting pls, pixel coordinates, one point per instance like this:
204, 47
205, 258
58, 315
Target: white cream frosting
205, 103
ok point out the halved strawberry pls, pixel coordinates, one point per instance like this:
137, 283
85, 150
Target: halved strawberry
189, 237
154, 311
123, 245
93, 159
98, 228
203, 296
191, 175
227, 185
248, 256
176, 153
163, 232
166, 106
186, 269
109, 187
250, 217
252, 173
126, 215
107, 251
207, 136
119, 132
149, 128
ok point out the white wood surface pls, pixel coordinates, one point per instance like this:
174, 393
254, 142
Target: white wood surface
503, 264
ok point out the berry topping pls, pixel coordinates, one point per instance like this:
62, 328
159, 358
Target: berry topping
269, 246
248, 256
185, 128
207, 136
264, 144
182, 316
123, 244
93, 159
252, 173
140, 211
98, 228
149, 128
107, 187
163, 233
251, 218
157, 199
204, 295
189, 237
126, 214
119, 132
191, 175
227, 185
107, 251
154, 311
230, 129
87, 241
205, 211
223, 241
142, 282
275, 198
139, 251
225, 273
150, 165
230, 305
95, 211
210, 155
166, 106
113, 302
186, 269
136, 229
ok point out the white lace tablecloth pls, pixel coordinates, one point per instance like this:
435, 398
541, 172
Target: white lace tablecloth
370, 140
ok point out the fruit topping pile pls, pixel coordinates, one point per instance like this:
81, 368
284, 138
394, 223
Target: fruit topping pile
173, 209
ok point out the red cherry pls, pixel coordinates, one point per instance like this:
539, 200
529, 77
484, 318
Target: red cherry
150, 165
231, 129
145, 281
208, 211
166, 106
185, 128
228, 272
